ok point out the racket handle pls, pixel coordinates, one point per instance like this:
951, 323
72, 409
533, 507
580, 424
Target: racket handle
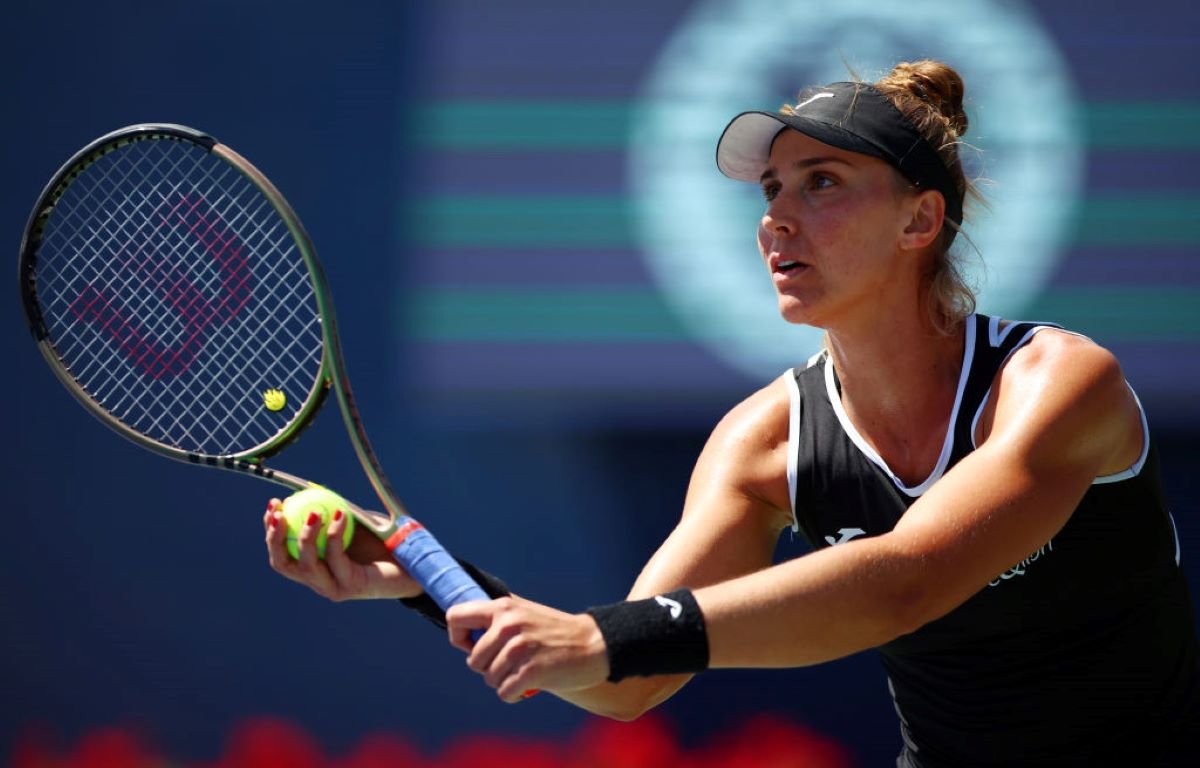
433, 567
436, 570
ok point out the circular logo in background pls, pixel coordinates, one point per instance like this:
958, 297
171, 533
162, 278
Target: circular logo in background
697, 228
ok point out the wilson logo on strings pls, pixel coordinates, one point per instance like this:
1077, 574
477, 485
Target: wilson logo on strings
197, 310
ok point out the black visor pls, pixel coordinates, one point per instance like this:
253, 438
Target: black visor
851, 116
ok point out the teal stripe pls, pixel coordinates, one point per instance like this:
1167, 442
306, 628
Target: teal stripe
540, 126
639, 315
574, 221
1144, 221
598, 221
605, 125
1138, 313
1146, 126
548, 315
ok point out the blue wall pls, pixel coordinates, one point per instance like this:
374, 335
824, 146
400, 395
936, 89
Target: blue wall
463, 167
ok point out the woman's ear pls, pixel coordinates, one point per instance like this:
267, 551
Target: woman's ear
928, 213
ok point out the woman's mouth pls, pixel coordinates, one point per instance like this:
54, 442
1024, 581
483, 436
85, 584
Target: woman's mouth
788, 267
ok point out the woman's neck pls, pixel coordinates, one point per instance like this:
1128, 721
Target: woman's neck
899, 379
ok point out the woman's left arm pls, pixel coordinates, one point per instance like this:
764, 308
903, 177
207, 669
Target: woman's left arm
1061, 415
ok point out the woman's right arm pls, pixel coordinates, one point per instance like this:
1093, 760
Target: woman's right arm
736, 505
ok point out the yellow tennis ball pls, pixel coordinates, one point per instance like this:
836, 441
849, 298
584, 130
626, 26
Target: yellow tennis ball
274, 399
323, 502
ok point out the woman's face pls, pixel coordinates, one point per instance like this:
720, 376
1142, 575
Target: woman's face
831, 232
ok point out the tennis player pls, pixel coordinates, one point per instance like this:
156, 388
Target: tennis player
982, 496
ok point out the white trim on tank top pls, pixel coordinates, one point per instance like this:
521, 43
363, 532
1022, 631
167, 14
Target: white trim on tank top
995, 338
793, 443
947, 442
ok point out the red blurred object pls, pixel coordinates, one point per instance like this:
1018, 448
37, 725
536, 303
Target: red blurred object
499, 752
382, 750
102, 748
769, 741
764, 741
270, 743
645, 743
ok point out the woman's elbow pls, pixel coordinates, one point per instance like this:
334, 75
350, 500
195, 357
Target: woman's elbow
913, 603
625, 714
631, 699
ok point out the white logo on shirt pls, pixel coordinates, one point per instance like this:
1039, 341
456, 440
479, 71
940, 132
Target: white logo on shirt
672, 605
1019, 568
844, 535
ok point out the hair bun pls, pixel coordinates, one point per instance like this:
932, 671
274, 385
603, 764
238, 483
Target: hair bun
934, 83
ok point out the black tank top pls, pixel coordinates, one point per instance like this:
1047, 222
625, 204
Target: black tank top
1082, 652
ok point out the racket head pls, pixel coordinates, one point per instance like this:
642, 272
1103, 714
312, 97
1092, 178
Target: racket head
169, 286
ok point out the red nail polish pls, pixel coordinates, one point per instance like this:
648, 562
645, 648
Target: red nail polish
272, 521
313, 518
337, 514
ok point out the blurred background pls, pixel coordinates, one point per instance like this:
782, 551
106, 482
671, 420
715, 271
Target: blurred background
548, 297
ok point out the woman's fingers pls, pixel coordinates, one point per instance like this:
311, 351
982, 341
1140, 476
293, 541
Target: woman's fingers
365, 569
527, 646
306, 568
313, 570
342, 568
276, 540
463, 620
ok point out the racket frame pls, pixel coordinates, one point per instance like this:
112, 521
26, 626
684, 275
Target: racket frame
332, 374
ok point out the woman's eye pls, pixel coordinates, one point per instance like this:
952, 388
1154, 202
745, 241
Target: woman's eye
821, 181
816, 181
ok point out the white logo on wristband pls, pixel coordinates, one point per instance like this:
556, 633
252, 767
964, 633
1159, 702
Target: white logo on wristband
672, 605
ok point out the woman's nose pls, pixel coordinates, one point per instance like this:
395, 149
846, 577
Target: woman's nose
777, 222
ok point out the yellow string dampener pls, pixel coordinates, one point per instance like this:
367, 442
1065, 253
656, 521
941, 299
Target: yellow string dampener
274, 399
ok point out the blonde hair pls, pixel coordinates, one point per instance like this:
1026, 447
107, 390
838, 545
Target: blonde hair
930, 95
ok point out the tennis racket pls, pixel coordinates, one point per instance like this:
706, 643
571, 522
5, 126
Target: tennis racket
175, 293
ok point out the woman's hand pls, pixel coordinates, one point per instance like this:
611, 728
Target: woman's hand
527, 646
364, 570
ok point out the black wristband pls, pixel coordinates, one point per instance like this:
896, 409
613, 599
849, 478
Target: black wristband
664, 635
425, 605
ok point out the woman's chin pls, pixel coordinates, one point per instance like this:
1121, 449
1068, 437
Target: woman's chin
798, 313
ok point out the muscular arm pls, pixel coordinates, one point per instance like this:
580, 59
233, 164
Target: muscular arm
736, 505
1062, 415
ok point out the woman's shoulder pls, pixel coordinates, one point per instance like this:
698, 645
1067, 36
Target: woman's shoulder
748, 446
762, 414
1038, 348
1070, 390
1053, 349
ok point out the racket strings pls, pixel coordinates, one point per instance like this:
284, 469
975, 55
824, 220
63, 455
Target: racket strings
201, 239
110, 224
288, 346
175, 294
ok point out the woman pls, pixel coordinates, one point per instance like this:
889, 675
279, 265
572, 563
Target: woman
982, 495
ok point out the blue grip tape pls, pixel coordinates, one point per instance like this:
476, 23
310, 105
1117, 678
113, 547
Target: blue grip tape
437, 571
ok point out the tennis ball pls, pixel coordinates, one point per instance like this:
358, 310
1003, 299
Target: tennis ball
324, 502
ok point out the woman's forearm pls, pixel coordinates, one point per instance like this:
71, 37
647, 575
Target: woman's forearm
823, 606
